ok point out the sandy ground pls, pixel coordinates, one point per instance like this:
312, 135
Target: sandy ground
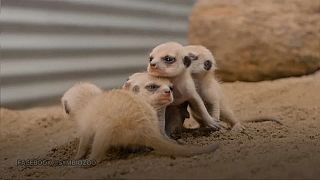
265, 150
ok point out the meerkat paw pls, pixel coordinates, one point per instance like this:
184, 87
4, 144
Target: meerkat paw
96, 159
238, 127
79, 155
191, 124
181, 141
215, 125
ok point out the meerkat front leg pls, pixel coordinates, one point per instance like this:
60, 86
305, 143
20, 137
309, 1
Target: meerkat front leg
197, 105
212, 101
227, 113
100, 145
162, 122
216, 110
213, 109
173, 116
173, 120
83, 145
162, 125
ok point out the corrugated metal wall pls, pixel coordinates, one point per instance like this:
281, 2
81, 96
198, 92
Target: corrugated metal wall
48, 45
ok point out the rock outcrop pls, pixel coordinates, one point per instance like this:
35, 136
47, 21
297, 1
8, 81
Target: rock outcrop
256, 40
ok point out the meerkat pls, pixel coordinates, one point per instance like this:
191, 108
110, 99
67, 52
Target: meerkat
143, 79
171, 61
202, 70
124, 118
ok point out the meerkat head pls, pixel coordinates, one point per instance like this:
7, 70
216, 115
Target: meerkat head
77, 97
156, 91
202, 59
168, 60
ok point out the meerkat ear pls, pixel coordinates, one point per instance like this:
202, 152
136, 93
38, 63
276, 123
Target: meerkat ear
66, 107
187, 61
126, 86
136, 89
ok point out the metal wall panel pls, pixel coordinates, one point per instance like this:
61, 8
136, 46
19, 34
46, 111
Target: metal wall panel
48, 45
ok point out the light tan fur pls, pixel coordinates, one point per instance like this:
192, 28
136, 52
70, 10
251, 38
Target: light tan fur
77, 97
123, 118
170, 60
142, 80
210, 90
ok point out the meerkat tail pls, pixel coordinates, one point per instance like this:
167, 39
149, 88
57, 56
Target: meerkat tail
165, 147
263, 119
227, 114
230, 117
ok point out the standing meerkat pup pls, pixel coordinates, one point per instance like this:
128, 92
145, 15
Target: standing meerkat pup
170, 60
202, 70
123, 118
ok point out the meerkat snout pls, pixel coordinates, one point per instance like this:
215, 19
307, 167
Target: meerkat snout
166, 95
167, 91
153, 65
207, 65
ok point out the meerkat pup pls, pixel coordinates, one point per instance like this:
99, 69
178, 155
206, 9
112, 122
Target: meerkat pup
137, 81
202, 70
171, 61
123, 118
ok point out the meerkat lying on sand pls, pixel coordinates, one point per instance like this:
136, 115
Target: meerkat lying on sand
123, 118
202, 70
171, 61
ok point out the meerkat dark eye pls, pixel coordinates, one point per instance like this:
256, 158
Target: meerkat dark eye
187, 61
207, 65
152, 87
150, 58
168, 59
171, 88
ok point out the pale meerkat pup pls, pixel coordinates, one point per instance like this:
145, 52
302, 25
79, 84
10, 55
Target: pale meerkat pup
123, 118
171, 61
202, 70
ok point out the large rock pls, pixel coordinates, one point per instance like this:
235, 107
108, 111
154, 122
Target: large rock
256, 40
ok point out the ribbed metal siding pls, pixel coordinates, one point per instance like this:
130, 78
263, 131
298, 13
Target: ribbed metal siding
48, 45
